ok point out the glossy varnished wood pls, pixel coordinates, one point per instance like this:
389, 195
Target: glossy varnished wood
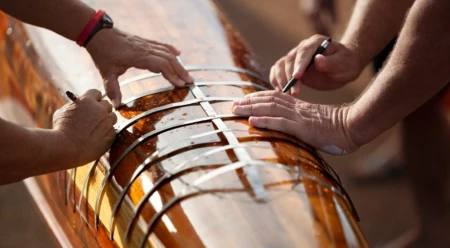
304, 204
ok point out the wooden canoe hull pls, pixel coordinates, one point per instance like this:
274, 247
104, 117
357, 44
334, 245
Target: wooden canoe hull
184, 171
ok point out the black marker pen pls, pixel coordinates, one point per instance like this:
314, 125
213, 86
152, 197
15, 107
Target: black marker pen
319, 50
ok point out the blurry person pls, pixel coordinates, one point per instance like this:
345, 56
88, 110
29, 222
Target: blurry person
321, 13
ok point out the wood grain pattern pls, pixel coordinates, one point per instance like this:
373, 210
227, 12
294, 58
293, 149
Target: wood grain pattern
288, 197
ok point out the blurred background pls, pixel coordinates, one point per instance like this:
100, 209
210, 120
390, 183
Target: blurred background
271, 29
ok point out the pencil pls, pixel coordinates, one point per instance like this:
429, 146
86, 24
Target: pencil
319, 50
71, 96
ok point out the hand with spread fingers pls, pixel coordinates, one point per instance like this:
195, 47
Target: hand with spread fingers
114, 51
323, 126
337, 66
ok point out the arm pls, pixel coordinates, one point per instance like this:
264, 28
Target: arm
23, 152
81, 133
64, 17
417, 71
112, 50
373, 24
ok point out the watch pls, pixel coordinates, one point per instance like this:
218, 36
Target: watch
99, 21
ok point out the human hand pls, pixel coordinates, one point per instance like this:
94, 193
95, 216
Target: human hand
114, 52
315, 10
87, 127
324, 127
337, 66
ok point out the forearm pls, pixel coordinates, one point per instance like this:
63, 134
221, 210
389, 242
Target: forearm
417, 71
373, 25
65, 17
26, 152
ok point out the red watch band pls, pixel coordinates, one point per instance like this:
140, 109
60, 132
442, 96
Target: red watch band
90, 26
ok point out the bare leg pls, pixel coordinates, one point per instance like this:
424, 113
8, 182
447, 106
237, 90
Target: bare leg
427, 157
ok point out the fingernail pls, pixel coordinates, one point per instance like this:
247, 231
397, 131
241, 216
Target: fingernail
191, 79
234, 109
252, 121
296, 74
116, 103
180, 82
237, 109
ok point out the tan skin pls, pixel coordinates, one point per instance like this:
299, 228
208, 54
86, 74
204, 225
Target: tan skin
387, 160
413, 76
82, 131
342, 62
112, 50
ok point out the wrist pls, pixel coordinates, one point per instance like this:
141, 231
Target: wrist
99, 21
342, 119
54, 152
102, 40
357, 54
64, 151
359, 125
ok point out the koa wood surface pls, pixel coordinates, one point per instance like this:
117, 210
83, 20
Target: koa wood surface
183, 171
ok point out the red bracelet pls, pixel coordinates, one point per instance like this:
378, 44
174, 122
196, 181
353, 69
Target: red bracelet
90, 27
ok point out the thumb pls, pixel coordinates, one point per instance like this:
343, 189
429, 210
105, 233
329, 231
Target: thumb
327, 64
112, 90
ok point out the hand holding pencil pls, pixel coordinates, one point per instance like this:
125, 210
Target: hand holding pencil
318, 63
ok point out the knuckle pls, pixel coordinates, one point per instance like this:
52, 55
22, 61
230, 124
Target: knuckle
302, 43
171, 58
290, 57
265, 121
165, 49
279, 73
276, 94
273, 105
250, 108
302, 50
317, 37
165, 65
168, 46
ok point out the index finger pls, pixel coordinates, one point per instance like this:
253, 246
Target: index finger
305, 52
171, 48
272, 93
